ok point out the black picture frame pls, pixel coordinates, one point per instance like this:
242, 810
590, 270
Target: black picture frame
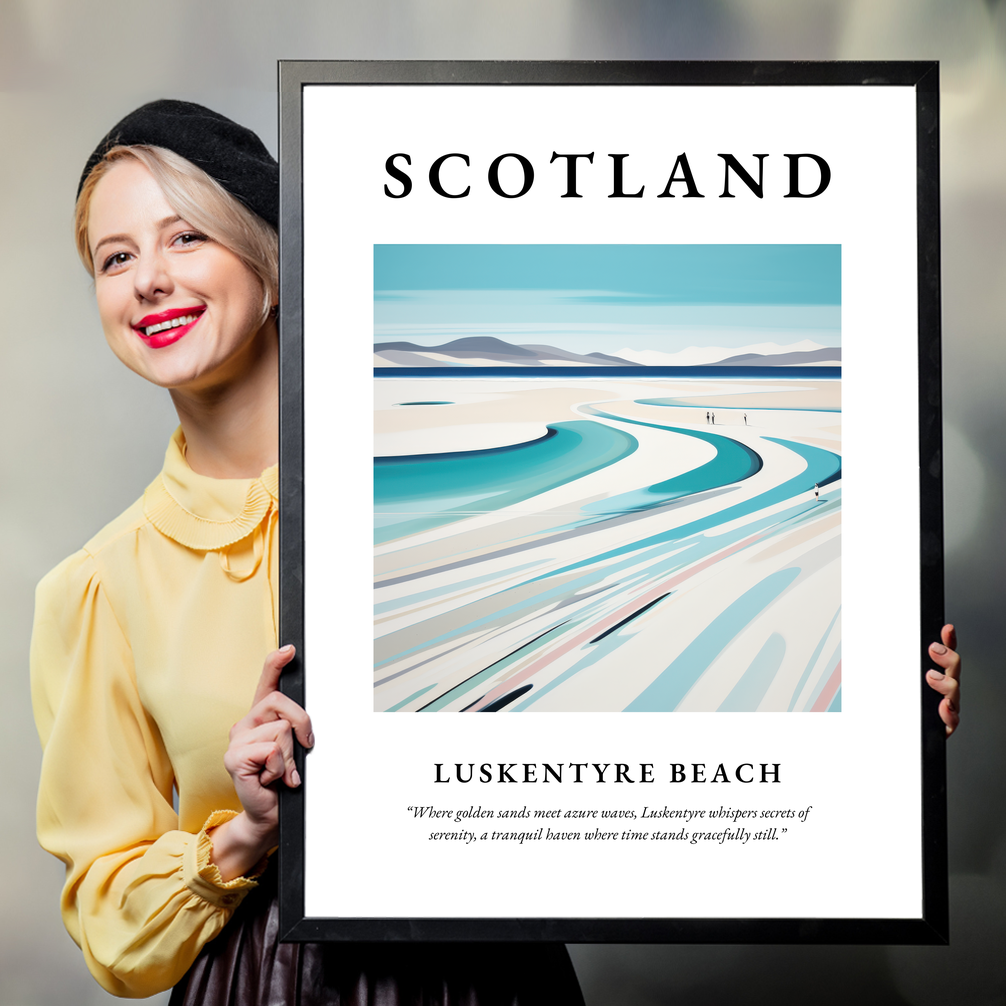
931, 926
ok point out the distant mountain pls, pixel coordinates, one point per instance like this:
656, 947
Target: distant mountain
604, 358
480, 346
488, 351
590, 360
815, 357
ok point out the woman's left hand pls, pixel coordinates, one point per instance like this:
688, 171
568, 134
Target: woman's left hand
948, 681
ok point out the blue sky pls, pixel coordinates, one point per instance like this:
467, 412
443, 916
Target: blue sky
599, 298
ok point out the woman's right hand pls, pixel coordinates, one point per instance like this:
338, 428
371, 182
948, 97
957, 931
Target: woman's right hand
259, 754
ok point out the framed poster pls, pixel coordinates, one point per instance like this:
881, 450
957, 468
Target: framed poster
572, 357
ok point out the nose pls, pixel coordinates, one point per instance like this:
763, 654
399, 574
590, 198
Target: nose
152, 276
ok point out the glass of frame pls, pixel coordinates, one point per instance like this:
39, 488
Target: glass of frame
572, 354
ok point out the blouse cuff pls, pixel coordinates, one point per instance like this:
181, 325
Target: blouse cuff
202, 876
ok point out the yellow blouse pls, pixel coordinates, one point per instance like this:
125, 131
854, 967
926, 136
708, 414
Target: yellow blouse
147, 647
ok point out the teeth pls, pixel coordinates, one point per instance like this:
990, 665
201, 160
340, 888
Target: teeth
174, 323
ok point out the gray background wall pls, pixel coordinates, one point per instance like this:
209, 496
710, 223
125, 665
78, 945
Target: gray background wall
82, 437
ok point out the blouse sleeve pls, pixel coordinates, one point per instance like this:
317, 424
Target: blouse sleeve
141, 898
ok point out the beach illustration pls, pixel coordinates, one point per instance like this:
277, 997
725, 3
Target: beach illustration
607, 478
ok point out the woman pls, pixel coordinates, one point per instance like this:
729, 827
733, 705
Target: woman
149, 643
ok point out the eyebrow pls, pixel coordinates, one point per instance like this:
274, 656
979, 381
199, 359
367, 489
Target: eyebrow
111, 238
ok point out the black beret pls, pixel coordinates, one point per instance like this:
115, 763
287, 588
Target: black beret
231, 154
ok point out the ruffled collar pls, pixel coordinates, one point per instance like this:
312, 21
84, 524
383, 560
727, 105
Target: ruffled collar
203, 513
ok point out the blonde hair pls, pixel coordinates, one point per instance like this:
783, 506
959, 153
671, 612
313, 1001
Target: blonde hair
199, 200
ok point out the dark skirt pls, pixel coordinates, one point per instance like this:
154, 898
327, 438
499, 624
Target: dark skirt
246, 965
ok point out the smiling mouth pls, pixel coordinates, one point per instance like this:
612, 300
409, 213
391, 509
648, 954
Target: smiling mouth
163, 326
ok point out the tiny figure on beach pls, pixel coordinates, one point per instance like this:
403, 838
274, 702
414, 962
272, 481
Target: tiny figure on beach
817, 492
714, 418
707, 417
745, 419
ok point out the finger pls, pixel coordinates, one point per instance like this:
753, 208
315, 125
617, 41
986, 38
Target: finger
947, 686
271, 670
950, 716
948, 659
949, 708
260, 760
278, 732
276, 706
949, 636
274, 766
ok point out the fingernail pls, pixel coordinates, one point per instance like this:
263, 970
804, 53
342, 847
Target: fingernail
938, 648
287, 649
295, 777
951, 706
936, 676
310, 740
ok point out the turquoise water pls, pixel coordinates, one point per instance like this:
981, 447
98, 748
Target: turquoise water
823, 467
414, 493
733, 463
422, 491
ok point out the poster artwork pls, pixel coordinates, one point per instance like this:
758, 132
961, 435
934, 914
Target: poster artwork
565, 425
607, 477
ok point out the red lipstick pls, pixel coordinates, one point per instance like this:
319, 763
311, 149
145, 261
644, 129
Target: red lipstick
165, 333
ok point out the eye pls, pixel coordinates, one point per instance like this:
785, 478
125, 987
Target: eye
115, 261
189, 239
